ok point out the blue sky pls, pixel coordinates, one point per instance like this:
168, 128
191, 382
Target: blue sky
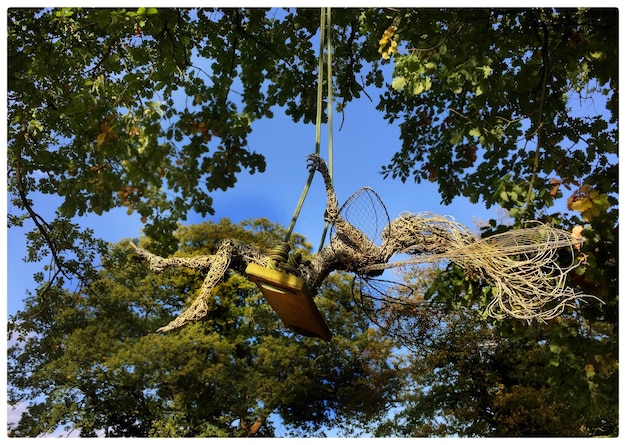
364, 144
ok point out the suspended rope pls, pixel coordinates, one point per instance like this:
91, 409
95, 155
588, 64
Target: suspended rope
279, 279
329, 94
324, 37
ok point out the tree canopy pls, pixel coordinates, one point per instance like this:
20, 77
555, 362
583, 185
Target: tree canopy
95, 358
150, 109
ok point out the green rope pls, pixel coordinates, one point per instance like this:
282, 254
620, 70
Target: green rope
281, 259
318, 120
329, 76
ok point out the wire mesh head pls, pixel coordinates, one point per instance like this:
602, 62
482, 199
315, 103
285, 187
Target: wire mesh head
365, 211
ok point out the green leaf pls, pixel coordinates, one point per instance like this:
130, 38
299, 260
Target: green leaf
475, 132
398, 83
555, 349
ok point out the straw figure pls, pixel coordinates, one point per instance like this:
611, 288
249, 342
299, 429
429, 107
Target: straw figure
523, 266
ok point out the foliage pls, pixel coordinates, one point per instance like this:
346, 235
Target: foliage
150, 109
514, 108
92, 358
473, 377
502, 122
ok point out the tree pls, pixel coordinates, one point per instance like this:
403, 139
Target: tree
92, 359
493, 105
490, 102
472, 376
501, 122
122, 69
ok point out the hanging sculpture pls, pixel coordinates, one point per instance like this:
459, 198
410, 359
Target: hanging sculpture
521, 265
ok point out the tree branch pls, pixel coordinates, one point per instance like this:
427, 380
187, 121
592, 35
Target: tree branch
545, 58
40, 223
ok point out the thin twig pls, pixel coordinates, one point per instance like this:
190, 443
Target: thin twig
544, 85
41, 224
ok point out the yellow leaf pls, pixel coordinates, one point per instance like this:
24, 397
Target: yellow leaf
398, 83
590, 203
101, 138
474, 132
597, 55
582, 205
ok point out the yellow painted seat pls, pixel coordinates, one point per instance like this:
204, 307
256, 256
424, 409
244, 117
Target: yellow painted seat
291, 300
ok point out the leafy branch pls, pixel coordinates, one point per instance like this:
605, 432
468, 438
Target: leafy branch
43, 226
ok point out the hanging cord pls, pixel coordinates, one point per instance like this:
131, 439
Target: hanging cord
329, 95
318, 120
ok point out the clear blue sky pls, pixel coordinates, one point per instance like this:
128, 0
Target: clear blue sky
364, 144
